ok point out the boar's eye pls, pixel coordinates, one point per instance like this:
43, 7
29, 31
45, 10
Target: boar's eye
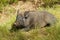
26, 14
26, 17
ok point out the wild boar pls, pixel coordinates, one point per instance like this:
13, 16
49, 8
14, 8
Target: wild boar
30, 19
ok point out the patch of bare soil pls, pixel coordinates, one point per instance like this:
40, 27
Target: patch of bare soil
24, 6
6, 14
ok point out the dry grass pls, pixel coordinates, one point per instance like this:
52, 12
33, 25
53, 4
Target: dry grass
48, 33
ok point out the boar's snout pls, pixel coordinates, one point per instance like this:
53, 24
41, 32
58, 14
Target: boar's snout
15, 24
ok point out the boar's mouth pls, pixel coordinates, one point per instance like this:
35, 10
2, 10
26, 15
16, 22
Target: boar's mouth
19, 27
15, 28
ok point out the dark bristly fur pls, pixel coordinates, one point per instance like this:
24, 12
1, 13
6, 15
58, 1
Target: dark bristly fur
32, 18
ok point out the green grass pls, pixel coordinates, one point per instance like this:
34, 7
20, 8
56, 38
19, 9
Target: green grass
48, 33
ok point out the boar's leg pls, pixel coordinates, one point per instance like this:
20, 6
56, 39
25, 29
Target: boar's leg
43, 24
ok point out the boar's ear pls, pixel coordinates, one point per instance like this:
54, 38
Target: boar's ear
18, 12
26, 13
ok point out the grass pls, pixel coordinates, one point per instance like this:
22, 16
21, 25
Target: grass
51, 33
